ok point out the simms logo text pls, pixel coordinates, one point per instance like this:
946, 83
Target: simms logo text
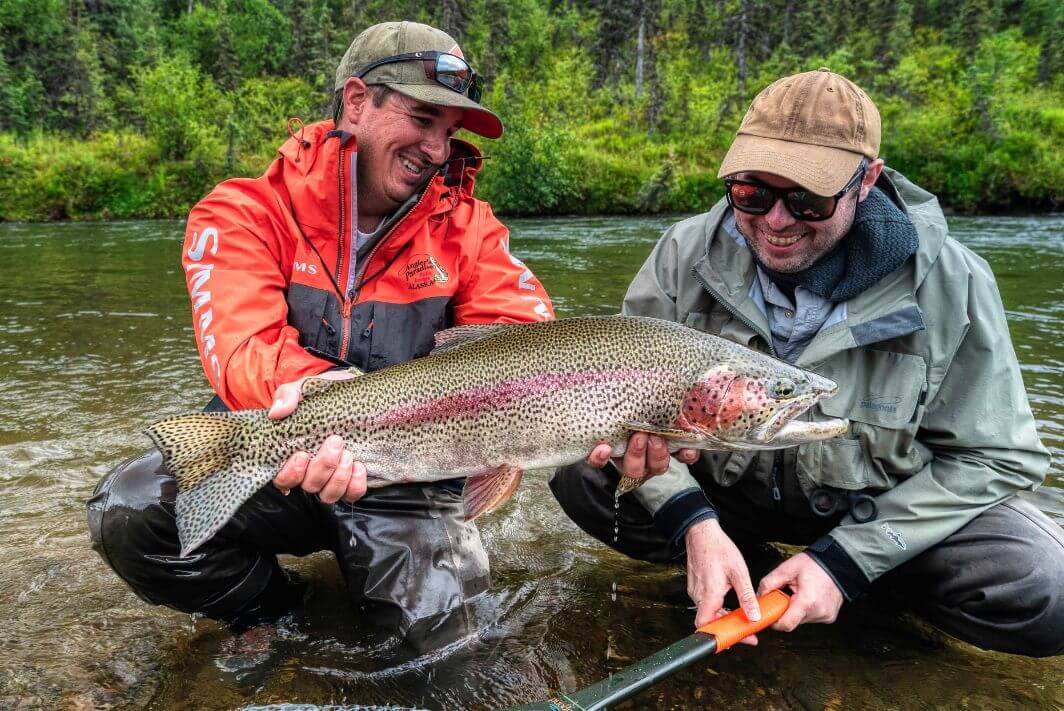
198, 273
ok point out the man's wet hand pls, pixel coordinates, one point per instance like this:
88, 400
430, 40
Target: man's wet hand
816, 597
645, 455
715, 566
289, 395
331, 472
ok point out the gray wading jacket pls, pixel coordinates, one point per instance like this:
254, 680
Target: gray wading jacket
941, 427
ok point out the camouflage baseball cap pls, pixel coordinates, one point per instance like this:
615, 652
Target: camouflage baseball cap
389, 39
812, 128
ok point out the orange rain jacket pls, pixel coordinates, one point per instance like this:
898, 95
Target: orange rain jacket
279, 292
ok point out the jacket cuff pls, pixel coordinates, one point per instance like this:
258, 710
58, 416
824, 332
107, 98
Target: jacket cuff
682, 511
837, 563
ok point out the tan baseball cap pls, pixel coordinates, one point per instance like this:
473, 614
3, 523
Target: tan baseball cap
393, 38
812, 128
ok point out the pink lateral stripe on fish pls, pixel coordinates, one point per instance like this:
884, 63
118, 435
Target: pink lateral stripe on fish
477, 400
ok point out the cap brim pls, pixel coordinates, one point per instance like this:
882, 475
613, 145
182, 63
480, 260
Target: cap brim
820, 169
475, 117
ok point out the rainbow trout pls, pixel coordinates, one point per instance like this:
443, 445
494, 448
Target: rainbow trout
492, 401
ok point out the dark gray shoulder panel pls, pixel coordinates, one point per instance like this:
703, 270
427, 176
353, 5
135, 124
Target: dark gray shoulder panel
895, 325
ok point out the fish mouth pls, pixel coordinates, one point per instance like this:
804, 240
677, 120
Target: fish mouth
784, 428
798, 432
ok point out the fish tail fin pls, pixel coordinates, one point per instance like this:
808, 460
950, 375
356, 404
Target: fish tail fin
217, 467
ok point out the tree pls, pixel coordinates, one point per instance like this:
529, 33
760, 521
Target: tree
182, 109
618, 21
452, 14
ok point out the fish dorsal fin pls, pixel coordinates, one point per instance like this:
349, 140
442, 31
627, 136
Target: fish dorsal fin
316, 386
449, 339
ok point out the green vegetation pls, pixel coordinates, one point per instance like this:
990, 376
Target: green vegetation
136, 108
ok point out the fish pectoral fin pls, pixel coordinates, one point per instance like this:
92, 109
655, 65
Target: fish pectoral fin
490, 489
451, 338
663, 432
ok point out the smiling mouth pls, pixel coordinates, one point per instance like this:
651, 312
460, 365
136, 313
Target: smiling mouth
781, 240
411, 167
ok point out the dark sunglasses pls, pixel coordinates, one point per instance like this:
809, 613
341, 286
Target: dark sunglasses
756, 199
449, 70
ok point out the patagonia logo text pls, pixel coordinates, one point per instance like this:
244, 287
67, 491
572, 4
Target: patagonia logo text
881, 403
422, 271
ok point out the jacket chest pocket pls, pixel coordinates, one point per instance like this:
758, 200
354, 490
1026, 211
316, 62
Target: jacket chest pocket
880, 392
401, 332
309, 313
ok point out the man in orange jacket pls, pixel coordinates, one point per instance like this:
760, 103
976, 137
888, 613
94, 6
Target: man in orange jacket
359, 243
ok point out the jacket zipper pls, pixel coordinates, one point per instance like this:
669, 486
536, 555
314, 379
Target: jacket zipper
354, 280
777, 458
345, 326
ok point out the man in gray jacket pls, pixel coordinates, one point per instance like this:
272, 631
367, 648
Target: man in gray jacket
825, 258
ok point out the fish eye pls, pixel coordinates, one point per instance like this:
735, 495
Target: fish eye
783, 388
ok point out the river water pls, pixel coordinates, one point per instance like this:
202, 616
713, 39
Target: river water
96, 342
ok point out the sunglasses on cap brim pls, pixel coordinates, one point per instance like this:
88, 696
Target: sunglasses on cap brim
448, 70
756, 198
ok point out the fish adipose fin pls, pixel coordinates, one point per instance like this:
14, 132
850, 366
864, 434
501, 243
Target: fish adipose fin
208, 454
490, 489
449, 339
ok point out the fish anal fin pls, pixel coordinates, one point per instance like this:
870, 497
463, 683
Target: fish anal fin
451, 338
628, 484
490, 489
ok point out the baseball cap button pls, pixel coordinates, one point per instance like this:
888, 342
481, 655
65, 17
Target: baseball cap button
823, 69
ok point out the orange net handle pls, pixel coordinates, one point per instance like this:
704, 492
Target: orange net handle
734, 626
